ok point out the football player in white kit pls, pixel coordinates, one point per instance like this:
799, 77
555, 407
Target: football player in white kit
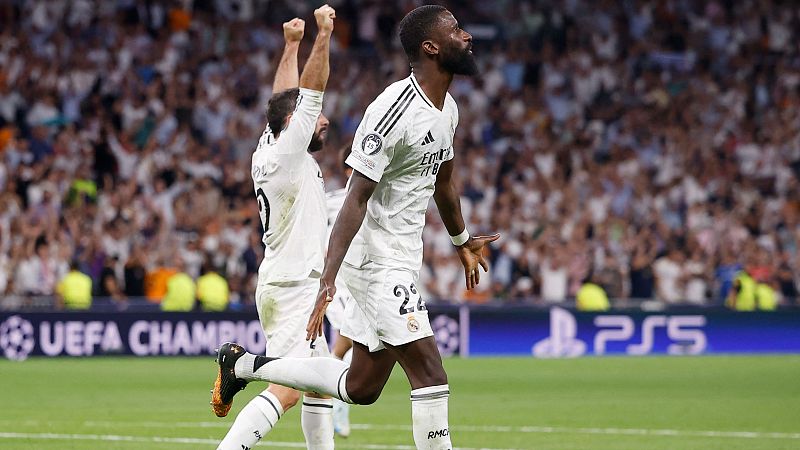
291, 201
402, 155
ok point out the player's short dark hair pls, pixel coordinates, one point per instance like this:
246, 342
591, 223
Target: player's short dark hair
417, 26
279, 107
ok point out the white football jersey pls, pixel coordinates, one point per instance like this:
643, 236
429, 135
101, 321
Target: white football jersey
335, 200
291, 197
401, 143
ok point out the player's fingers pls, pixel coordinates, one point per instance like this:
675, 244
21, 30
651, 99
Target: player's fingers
316, 331
487, 239
484, 264
477, 276
310, 328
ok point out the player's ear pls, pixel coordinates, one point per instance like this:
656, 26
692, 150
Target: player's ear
430, 47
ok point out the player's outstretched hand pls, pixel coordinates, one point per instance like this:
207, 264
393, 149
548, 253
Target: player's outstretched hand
315, 322
471, 255
293, 30
325, 15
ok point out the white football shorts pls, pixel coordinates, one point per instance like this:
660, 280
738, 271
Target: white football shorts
284, 309
387, 307
336, 308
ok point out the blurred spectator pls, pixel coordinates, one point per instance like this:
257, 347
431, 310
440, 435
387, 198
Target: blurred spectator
742, 296
135, 274
695, 275
156, 281
668, 272
591, 297
765, 297
212, 290
554, 277
180, 294
642, 279
75, 289
37, 274
109, 286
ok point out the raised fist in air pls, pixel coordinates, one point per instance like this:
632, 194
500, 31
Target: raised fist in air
293, 30
325, 15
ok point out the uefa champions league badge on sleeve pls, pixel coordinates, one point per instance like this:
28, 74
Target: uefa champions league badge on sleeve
413, 325
372, 143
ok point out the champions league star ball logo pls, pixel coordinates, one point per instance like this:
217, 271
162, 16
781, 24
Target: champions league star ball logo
16, 338
372, 143
447, 334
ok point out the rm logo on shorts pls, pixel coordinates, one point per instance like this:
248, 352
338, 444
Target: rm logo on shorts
413, 325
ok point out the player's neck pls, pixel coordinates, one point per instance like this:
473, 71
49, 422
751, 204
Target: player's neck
434, 83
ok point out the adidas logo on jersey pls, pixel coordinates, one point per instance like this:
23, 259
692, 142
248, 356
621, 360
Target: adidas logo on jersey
428, 139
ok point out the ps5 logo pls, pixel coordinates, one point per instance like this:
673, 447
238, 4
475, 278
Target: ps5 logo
684, 332
562, 342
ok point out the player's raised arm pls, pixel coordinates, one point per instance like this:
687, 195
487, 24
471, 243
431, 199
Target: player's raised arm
297, 133
315, 73
469, 248
287, 75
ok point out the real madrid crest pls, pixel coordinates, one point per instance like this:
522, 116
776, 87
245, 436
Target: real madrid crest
372, 143
413, 325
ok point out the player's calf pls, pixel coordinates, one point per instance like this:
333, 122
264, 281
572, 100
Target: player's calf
326, 376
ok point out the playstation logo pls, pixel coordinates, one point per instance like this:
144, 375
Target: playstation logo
562, 342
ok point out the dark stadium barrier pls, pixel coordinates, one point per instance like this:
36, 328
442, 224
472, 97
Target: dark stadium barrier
459, 330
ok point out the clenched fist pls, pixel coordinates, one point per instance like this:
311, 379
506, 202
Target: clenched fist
293, 30
325, 15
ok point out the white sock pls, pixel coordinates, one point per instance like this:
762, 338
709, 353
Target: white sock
254, 421
429, 417
341, 410
326, 376
317, 422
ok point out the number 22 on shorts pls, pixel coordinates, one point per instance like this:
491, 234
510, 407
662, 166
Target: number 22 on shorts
403, 292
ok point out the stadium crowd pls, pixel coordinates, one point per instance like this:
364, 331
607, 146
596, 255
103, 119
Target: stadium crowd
652, 146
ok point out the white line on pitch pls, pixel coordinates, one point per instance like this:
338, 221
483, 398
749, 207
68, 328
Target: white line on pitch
187, 441
501, 429
118, 438
611, 431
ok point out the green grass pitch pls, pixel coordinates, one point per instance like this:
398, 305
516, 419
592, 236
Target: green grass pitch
499, 403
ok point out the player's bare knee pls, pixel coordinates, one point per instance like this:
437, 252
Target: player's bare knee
364, 395
287, 396
366, 398
290, 399
427, 371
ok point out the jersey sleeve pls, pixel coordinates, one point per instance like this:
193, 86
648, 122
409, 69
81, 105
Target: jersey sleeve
297, 134
450, 152
376, 139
